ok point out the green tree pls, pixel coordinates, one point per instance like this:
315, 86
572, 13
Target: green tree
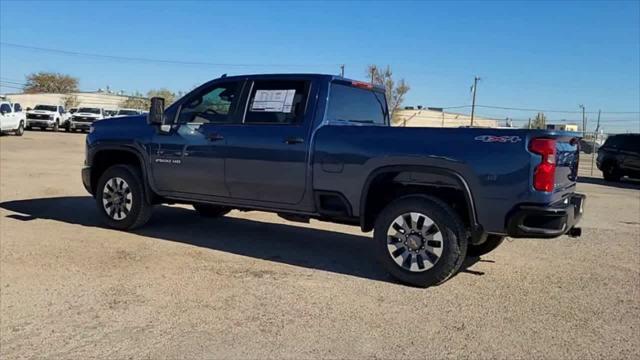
47, 82
394, 91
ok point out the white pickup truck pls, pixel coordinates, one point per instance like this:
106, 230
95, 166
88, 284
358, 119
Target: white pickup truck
47, 116
84, 117
12, 118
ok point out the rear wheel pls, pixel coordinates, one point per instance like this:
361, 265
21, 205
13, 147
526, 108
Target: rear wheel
120, 198
20, 130
492, 242
211, 211
611, 172
420, 241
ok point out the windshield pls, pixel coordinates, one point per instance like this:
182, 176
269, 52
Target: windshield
127, 112
89, 110
46, 108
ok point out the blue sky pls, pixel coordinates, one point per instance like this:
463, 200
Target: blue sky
548, 55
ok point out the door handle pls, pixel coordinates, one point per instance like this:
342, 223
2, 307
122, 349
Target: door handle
215, 137
294, 140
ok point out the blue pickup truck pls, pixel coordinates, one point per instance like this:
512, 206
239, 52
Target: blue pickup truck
311, 146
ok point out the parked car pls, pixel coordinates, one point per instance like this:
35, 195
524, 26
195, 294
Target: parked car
587, 145
84, 117
12, 118
46, 117
620, 156
110, 113
73, 110
127, 112
321, 147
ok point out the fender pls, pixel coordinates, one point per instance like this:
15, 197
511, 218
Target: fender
424, 176
133, 148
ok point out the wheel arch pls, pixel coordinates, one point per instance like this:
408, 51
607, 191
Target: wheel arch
402, 180
104, 157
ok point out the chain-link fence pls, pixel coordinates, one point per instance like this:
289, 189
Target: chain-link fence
589, 146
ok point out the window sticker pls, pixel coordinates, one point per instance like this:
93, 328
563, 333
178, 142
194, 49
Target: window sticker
273, 101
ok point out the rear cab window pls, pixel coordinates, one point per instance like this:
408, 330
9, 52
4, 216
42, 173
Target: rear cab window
357, 105
277, 102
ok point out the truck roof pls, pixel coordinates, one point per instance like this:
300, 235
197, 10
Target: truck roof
325, 77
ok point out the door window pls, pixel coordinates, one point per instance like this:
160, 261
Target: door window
277, 102
5, 108
213, 105
17, 107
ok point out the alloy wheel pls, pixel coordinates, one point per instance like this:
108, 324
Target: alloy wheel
414, 241
117, 198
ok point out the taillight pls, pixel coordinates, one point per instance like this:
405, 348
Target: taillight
545, 173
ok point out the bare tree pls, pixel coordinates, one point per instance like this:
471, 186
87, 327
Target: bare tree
539, 122
139, 101
70, 101
47, 82
394, 92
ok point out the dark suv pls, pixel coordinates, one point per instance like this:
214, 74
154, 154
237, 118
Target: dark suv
620, 156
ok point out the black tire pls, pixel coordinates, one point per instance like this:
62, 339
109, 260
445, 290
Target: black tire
492, 242
610, 172
67, 127
140, 210
211, 211
20, 130
454, 240
28, 128
56, 126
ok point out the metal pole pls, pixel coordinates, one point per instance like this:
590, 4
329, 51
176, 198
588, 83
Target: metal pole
373, 71
473, 101
584, 122
443, 118
342, 70
595, 137
529, 126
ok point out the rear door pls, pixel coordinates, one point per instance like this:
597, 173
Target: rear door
7, 117
630, 150
267, 154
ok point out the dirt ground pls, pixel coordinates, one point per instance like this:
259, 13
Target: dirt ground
253, 286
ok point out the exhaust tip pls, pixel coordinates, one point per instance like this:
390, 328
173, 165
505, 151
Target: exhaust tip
575, 232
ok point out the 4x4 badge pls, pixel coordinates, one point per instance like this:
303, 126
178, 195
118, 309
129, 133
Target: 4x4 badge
498, 139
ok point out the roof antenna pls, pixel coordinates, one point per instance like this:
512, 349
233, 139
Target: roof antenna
223, 75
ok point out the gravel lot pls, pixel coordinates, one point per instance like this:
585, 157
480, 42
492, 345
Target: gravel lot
254, 286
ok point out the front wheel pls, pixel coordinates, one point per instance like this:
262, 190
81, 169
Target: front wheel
420, 241
20, 129
120, 198
56, 126
492, 242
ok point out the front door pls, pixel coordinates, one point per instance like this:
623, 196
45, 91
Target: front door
267, 153
190, 159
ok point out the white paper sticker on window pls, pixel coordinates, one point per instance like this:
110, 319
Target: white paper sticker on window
273, 101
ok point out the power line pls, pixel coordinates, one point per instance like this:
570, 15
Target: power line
555, 111
148, 60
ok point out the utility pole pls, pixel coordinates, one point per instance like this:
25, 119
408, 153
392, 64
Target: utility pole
593, 148
584, 121
529, 126
373, 72
473, 101
342, 70
442, 118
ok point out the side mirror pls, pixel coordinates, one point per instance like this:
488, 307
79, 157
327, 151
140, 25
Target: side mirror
156, 111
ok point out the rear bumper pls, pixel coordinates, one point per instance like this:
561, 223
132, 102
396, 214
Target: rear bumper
86, 178
535, 221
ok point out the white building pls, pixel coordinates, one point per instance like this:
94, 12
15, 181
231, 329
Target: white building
108, 101
429, 117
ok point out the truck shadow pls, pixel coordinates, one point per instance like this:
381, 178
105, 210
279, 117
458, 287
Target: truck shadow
294, 245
